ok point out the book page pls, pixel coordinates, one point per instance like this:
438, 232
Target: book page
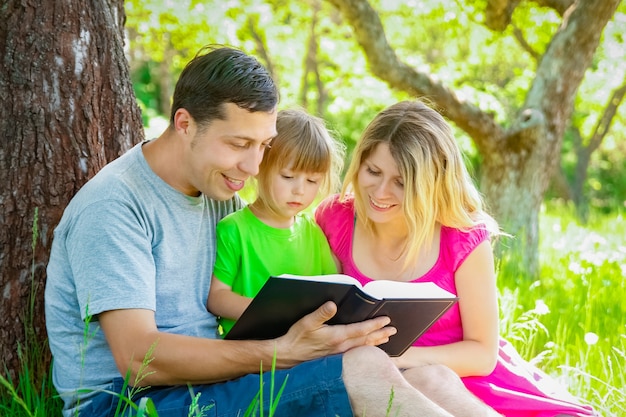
396, 289
338, 278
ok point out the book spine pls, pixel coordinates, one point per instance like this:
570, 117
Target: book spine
354, 307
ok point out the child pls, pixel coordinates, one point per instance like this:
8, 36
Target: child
272, 236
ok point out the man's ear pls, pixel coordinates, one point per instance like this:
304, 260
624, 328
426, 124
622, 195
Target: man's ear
183, 121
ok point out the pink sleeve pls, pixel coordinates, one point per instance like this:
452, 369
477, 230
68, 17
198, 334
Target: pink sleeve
461, 244
336, 219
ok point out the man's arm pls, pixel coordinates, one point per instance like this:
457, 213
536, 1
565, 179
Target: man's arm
179, 359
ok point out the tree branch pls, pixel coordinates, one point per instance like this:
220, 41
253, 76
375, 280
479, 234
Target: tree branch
519, 35
261, 49
560, 6
603, 125
386, 65
498, 13
563, 65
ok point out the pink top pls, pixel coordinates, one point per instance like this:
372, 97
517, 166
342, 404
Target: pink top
337, 219
515, 388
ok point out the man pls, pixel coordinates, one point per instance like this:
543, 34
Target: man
132, 259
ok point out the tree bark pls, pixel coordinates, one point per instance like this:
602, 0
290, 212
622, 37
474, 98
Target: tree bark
518, 161
68, 108
311, 66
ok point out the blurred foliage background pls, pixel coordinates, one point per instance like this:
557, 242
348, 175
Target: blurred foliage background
317, 64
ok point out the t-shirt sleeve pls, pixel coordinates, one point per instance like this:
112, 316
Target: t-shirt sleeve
463, 243
228, 257
323, 214
110, 253
336, 218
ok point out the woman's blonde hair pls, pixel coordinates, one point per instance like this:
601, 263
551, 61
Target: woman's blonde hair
303, 141
437, 185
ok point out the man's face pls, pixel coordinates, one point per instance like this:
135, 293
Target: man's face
221, 157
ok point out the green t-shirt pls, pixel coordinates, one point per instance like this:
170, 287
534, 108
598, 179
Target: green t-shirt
249, 251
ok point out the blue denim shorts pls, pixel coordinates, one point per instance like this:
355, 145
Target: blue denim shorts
312, 388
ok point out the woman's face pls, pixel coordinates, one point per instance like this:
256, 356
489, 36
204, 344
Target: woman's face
381, 186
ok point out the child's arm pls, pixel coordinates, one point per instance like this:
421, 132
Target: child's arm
224, 302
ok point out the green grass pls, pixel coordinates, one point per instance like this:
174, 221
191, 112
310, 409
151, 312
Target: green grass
571, 322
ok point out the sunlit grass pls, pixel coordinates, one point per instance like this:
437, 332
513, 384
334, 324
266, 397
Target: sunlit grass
571, 321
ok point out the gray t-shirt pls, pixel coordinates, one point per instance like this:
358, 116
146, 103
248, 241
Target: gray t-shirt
126, 240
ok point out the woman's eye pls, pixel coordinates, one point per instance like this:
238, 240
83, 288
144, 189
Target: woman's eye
312, 181
372, 172
287, 177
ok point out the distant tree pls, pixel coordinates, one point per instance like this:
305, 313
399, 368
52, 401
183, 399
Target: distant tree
519, 156
585, 147
68, 108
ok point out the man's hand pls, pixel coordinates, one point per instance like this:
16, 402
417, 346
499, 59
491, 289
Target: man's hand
310, 338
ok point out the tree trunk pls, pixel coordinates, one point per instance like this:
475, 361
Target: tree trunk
311, 66
68, 108
514, 180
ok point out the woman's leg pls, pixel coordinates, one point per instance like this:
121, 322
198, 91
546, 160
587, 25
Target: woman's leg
377, 388
440, 384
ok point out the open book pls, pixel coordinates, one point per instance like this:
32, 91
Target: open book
412, 306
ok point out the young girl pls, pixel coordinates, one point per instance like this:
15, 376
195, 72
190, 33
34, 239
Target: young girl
272, 236
409, 211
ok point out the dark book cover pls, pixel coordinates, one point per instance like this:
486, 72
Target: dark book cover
412, 307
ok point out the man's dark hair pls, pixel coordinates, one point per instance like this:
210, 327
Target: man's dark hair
218, 75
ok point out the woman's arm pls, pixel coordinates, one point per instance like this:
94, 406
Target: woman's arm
476, 354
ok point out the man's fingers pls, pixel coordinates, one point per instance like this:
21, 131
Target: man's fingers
327, 311
321, 339
370, 326
322, 314
376, 331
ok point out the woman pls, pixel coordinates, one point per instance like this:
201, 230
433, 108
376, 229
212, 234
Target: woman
408, 211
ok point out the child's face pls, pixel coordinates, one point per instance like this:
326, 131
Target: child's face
294, 191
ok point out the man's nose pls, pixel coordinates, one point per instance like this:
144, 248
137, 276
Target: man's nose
251, 161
